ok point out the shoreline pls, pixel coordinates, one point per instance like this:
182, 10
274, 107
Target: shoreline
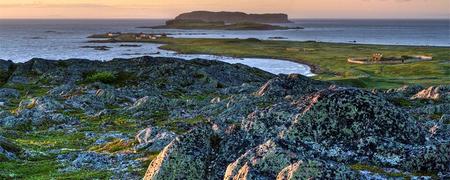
327, 60
313, 68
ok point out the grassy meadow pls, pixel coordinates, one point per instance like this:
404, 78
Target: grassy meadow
329, 60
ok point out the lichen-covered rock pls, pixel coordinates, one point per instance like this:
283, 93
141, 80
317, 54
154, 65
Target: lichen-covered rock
119, 164
245, 123
293, 84
434, 93
313, 169
350, 115
405, 91
430, 158
186, 157
12, 122
262, 162
153, 139
148, 104
9, 93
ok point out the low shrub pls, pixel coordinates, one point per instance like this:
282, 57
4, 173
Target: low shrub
104, 77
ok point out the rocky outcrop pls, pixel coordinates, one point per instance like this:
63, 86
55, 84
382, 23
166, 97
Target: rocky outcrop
233, 17
6, 68
434, 93
188, 155
153, 139
8, 150
176, 119
314, 132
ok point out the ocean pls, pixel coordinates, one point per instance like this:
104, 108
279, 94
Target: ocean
22, 40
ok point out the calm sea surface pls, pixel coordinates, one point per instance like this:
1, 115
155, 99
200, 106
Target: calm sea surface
21, 40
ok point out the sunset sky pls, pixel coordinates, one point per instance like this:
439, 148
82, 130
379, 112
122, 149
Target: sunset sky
169, 8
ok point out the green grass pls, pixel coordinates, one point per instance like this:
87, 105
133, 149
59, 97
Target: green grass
45, 166
44, 169
116, 145
173, 125
329, 60
104, 77
121, 78
377, 170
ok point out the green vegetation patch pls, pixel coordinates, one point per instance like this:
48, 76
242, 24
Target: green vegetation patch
44, 169
329, 60
377, 170
104, 77
121, 78
402, 102
116, 145
180, 126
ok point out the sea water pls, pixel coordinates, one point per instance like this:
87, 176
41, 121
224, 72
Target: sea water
22, 40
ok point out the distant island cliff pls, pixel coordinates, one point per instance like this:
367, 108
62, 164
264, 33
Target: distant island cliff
226, 21
234, 17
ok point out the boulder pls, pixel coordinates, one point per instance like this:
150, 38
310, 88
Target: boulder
434, 93
186, 157
347, 115
293, 84
153, 139
9, 93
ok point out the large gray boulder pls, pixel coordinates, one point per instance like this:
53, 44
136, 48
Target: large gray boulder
186, 157
153, 139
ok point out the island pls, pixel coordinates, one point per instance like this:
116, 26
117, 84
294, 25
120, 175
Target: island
226, 21
234, 17
218, 25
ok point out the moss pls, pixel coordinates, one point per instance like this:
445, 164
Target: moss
377, 170
175, 94
436, 116
104, 77
159, 116
34, 90
180, 126
433, 175
402, 102
3, 158
198, 75
118, 122
121, 78
151, 156
44, 169
44, 140
115, 146
263, 104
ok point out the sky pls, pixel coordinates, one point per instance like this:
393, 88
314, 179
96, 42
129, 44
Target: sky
157, 9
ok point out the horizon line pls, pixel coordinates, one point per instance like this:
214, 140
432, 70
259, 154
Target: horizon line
296, 18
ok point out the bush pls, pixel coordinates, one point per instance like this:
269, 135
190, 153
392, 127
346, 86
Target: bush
104, 77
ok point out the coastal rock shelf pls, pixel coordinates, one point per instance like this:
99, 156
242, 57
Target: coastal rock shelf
168, 118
